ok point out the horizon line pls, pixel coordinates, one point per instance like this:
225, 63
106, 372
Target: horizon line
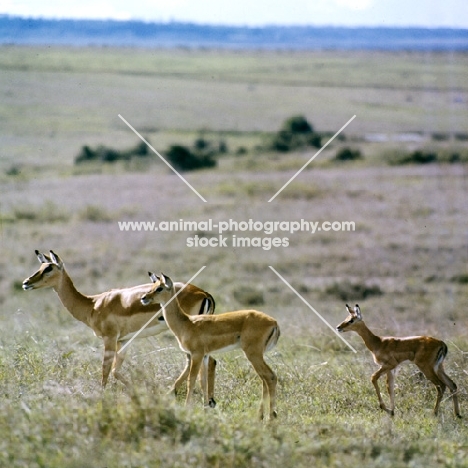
227, 25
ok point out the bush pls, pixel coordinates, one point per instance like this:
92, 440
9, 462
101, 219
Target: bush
249, 296
94, 214
295, 133
348, 154
105, 154
417, 157
184, 159
422, 157
350, 292
461, 136
297, 125
440, 136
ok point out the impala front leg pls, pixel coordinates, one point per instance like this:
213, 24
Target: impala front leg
211, 370
195, 364
182, 377
375, 377
391, 390
110, 346
207, 379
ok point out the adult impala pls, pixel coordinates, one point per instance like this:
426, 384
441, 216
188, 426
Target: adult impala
117, 315
252, 331
426, 352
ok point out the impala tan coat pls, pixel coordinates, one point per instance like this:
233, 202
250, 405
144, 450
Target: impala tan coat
117, 315
389, 352
252, 331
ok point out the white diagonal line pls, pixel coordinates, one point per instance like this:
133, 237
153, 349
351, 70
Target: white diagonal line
162, 159
312, 158
159, 312
312, 309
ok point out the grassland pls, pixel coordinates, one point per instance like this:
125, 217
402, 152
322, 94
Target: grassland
406, 262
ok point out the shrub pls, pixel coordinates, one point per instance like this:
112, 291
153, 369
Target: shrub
105, 154
453, 155
48, 212
348, 154
14, 170
295, 133
461, 279
422, 157
86, 154
297, 124
416, 157
184, 159
249, 296
282, 141
461, 136
440, 136
94, 214
347, 291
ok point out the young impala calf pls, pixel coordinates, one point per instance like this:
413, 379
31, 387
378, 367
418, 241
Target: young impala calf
426, 352
252, 331
117, 315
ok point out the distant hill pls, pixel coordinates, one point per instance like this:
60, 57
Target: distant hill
17, 30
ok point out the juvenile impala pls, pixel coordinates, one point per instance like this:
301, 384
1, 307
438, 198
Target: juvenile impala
117, 315
252, 331
426, 352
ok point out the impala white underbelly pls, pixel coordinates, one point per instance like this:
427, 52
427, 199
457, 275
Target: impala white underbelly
227, 348
148, 331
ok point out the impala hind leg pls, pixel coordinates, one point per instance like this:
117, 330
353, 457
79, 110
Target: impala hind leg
453, 389
269, 381
391, 389
117, 364
207, 380
432, 376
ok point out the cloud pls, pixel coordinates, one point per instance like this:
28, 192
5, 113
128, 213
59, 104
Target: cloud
99, 9
355, 4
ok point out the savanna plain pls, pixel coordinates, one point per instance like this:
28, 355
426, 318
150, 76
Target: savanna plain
405, 262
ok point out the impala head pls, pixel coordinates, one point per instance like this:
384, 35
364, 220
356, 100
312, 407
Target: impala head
48, 274
350, 323
160, 291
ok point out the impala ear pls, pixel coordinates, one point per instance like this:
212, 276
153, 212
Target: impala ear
349, 310
153, 277
357, 312
56, 259
41, 257
166, 281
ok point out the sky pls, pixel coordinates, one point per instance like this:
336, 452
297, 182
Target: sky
424, 13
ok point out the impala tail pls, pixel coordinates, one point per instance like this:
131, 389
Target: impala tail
272, 339
441, 355
208, 305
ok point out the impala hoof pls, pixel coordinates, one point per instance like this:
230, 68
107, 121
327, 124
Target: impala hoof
390, 412
212, 403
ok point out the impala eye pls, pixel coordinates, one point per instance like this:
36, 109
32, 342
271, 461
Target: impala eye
159, 289
48, 269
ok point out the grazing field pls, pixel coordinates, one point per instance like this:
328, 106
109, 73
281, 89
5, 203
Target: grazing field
405, 261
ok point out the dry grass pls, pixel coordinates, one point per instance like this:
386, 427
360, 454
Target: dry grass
409, 246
